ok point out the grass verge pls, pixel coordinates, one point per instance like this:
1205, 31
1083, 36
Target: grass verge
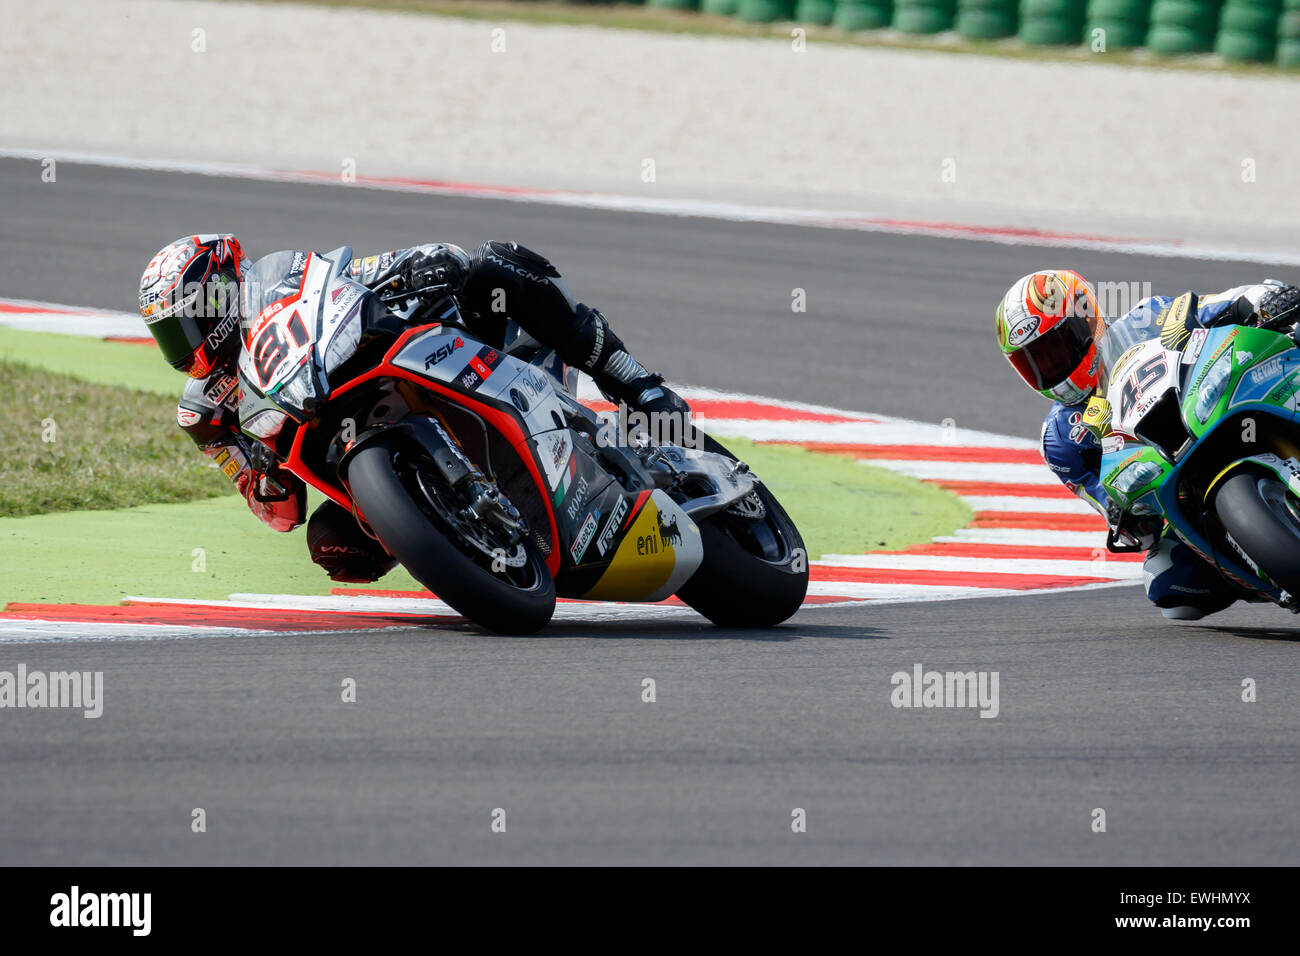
72, 445
842, 506
122, 364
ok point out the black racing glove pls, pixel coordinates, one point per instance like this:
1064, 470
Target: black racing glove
268, 483
1130, 532
1280, 307
1276, 309
440, 272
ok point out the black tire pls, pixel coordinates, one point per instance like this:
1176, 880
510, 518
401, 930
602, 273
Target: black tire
1263, 518
735, 587
423, 546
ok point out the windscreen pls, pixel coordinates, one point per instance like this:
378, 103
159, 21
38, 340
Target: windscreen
1133, 329
271, 279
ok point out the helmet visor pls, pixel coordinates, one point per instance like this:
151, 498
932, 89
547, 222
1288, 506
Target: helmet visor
205, 315
1051, 358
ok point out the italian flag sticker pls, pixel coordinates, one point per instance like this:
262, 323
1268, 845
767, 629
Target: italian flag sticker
566, 481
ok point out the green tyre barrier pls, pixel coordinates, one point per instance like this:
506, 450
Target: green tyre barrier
985, 24
671, 4
1172, 41
1245, 47
1130, 11
1053, 9
922, 19
1120, 34
1193, 15
1239, 18
1288, 53
1051, 32
724, 8
815, 11
853, 15
765, 11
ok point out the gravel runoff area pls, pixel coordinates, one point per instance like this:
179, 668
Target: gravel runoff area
1129, 151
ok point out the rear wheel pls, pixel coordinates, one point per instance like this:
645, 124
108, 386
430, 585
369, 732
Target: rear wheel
501, 585
1262, 518
755, 569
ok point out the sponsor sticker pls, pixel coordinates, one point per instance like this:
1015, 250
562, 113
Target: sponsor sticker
612, 525
1022, 330
1194, 344
585, 534
479, 368
1269, 370
160, 314
219, 387
579, 497
443, 352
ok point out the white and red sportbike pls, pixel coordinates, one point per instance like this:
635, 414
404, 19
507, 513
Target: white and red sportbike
478, 470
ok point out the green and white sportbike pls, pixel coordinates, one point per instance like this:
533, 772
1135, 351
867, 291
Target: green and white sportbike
1199, 426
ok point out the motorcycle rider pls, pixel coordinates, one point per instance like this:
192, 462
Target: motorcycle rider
1047, 326
190, 301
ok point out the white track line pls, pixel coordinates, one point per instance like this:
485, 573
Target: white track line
19, 631
867, 433
997, 593
694, 208
69, 320
1100, 568
968, 471
1027, 538
1063, 506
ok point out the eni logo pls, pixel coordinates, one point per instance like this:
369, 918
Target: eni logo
668, 533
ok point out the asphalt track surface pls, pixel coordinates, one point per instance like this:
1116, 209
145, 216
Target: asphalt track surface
1102, 704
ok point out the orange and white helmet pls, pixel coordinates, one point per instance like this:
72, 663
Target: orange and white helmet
1047, 325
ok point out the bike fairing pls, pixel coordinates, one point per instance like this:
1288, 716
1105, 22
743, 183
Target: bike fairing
1174, 574
1070, 449
321, 360
1230, 375
533, 289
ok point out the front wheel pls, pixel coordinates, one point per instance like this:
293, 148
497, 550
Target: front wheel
755, 570
507, 590
1262, 519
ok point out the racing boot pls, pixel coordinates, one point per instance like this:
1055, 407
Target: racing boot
507, 280
592, 346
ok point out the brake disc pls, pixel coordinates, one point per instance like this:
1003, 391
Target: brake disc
751, 506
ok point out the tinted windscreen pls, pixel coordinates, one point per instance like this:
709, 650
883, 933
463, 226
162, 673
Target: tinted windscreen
271, 279
1136, 327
